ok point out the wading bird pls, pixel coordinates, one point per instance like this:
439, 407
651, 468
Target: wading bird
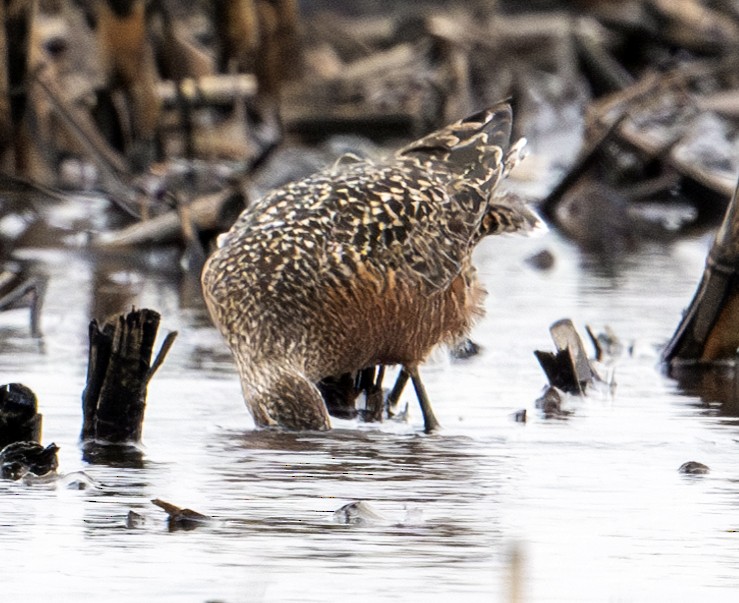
362, 264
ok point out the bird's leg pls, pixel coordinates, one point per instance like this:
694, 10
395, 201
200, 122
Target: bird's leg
370, 384
394, 396
380, 376
430, 424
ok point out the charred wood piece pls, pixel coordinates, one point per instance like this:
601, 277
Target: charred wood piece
19, 416
21, 458
118, 374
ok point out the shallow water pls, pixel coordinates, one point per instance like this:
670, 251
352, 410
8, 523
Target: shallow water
590, 506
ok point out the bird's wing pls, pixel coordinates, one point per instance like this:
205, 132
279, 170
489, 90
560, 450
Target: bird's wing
397, 218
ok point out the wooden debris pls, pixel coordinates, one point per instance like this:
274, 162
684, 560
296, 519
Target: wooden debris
550, 403
694, 468
19, 416
709, 329
607, 345
646, 139
118, 374
519, 416
179, 518
464, 349
357, 513
208, 91
568, 368
205, 214
21, 458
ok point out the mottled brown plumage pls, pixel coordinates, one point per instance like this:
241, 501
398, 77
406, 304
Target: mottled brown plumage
360, 264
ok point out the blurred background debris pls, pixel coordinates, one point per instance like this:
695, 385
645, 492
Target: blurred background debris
163, 119
630, 108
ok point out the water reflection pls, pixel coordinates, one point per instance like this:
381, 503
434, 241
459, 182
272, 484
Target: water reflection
592, 500
715, 386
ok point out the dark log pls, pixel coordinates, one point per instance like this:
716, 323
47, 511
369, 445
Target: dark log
118, 373
19, 416
709, 329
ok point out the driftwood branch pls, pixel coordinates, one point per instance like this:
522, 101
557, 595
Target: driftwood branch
204, 214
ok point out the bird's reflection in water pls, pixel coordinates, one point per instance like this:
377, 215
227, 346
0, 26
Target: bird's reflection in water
716, 386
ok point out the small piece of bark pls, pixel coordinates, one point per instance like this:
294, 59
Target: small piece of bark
179, 518
464, 349
569, 368
694, 468
566, 338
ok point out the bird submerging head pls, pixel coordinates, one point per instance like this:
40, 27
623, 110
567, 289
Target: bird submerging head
361, 264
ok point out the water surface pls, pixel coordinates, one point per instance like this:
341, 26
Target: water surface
591, 504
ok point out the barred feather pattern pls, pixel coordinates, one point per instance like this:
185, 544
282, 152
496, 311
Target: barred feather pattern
360, 264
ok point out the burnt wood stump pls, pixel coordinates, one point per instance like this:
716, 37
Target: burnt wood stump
118, 374
19, 416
